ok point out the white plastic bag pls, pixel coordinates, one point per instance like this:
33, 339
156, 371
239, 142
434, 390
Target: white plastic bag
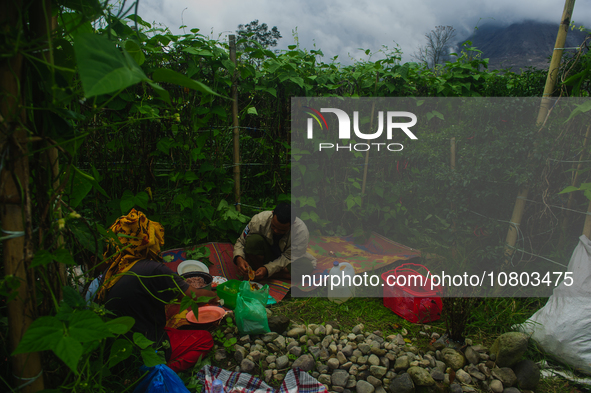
561, 327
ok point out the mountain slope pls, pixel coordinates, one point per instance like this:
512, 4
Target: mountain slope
521, 45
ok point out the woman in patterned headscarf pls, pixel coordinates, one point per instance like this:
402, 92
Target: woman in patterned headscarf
137, 284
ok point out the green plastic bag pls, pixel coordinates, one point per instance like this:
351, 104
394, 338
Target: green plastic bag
251, 315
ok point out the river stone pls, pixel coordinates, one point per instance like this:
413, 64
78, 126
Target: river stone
320, 331
333, 363
420, 376
354, 369
347, 350
505, 375
351, 337
280, 342
279, 377
322, 368
362, 360
239, 353
247, 366
378, 371
244, 339
304, 362
463, 377
485, 370
472, 356
364, 348
271, 358
282, 362
384, 361
314, 351
365, 387
373, 360
455, 388
374, 381
473, 371
496, 386
402, 364
401, 384
511, 390
256, 356
324, 379
274, 348
527, 373
296, 351
509, 348
220, 355
357, 329
326, 341
278, 323
323, 355
296, 332
333, 348
437, 375
329, 329
346, 366
341, 357
268, 375
267, 338
453, 359
399, 340
340, 378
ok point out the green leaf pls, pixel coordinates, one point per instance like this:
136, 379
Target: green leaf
63, 256
73, 298
170, 76
120, 325
42, 335
103, 68
127, 202
151, 358
135, 51
120, 351
252, 110
350, 202
42, 258
86, 326
141, 341
141, 199
74, 24
92, 181
584, 107
567, 189
69, 351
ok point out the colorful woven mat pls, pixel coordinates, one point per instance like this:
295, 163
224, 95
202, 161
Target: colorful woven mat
377, 252
221, 257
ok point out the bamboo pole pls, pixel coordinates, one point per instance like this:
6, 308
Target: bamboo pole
373, 107
452, 166
235, 123
587, 226
546, 104
15, 203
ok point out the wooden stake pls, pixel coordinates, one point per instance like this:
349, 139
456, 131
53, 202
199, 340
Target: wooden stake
235, 123
546, 104
15, 203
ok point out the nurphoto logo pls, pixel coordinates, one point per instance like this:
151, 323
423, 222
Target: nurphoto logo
392, 120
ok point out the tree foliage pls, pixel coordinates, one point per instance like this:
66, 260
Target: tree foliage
258, 33
437, 47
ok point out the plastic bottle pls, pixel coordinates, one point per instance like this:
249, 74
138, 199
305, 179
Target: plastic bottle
217, 386
344, 291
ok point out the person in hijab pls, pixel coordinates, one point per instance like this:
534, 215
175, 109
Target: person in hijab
137, 284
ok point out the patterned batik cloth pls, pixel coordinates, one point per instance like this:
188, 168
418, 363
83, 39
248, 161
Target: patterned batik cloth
143, 239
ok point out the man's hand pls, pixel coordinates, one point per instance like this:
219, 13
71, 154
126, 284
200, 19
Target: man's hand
242, 266
261, 273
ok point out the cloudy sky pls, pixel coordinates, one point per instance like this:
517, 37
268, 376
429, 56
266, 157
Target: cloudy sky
341, 27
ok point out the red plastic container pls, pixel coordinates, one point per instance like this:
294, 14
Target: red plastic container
408, 293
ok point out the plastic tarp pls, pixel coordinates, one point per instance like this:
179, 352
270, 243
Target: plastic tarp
561, 327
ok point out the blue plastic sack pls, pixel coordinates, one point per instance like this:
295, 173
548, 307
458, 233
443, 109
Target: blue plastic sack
160, 379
